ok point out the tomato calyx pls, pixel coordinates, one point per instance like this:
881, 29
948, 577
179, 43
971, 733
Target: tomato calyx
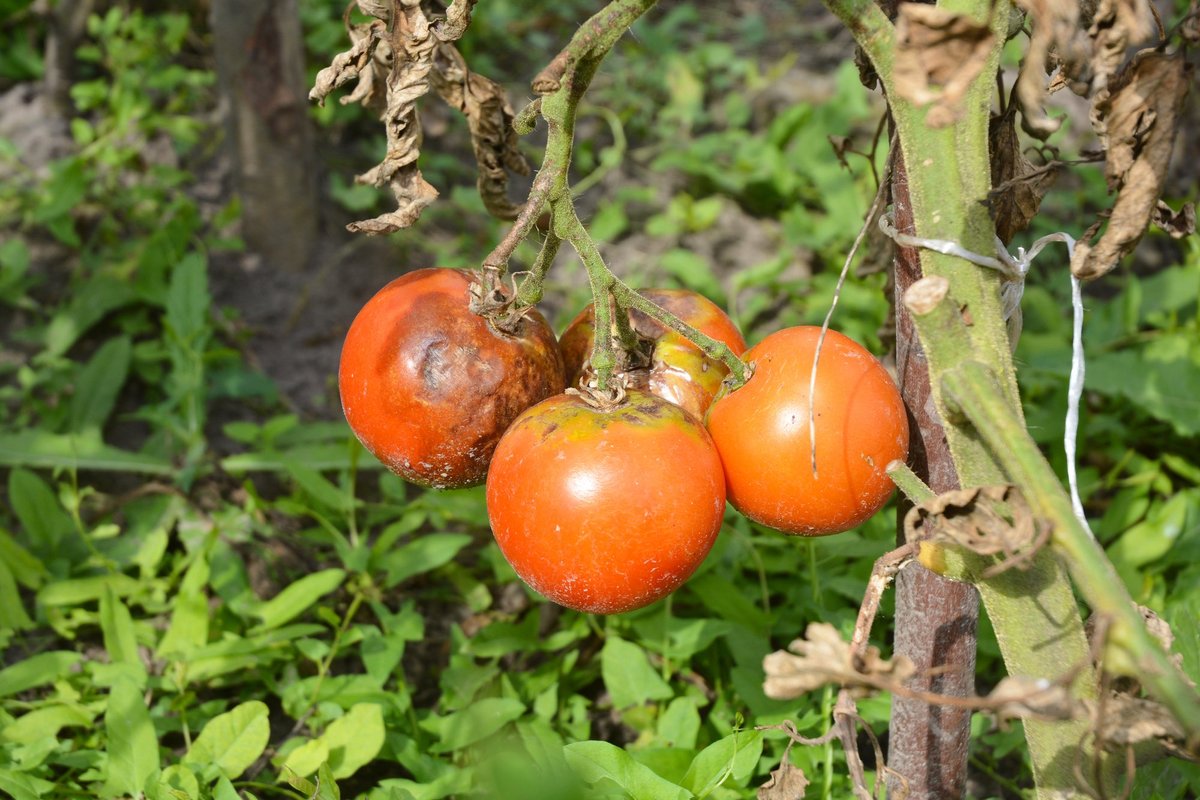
495, 302
600, 399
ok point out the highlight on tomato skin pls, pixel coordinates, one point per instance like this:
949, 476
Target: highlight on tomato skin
762, 433
605, 511
428, 386
678, 370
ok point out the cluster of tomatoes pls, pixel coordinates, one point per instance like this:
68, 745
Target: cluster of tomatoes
607, 503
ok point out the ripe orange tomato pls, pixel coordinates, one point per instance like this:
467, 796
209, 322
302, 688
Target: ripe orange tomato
762, 433
605, 510
429, 387
678, 370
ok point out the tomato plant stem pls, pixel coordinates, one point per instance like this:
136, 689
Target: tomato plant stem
1130, 648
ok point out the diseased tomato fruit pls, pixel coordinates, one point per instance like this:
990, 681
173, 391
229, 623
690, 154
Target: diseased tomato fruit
429, 387
678, 370
605, 510
762, 433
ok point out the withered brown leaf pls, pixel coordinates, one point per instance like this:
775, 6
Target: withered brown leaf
1136, 118
988, 520
1056, 39
1177, 224
1017, 186
938, 54
1116, 25
787, 782
824, 657
490, 119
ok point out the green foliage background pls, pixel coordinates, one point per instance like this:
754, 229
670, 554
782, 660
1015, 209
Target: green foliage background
281, 617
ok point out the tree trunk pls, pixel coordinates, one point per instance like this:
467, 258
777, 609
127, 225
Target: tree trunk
936, 618
260, 72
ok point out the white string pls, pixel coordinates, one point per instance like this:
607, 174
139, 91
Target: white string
1014, 270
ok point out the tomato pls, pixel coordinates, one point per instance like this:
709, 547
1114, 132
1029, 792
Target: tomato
429, 387
678, 370
605, 510
762, 433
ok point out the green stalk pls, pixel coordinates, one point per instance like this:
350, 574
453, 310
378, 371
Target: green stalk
1130, 649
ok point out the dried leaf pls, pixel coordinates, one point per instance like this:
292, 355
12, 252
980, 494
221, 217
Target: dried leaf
490, 119
938, 54
1116, 25
1056, 40
1123, 721
357, 62
1023, 697
823, 657
1177, 224
1018, 186
1136, 118
988, 520
1189, 28
787, 782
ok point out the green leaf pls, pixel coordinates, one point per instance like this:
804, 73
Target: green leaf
597, 761
189, 622
38, 510
474, 723
85, 590
36, 448
174, 780
23, 787
297, 598
679, 724
45, 722
628, 675
187, 297
120, 639
354, 739
423, 554
1153, 538
132, 743
39, 670
734, 757
98, 384
26, 568
319, 488
233, 740
13, 616
1167, 384
89, 304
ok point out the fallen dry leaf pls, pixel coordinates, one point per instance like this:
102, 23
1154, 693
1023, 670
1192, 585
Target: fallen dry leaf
938, 54
1136, 118
1023, 697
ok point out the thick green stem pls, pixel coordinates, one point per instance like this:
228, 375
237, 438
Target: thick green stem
1033, 611
1130, 649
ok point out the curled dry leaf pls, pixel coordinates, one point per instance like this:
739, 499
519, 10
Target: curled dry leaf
824, 657
1123, 720
988, 520
1023, 697
1136, 118
1116, 25
1177, 224
938, 54
1056, 40
787, 782
1018, 186
490, 119
394, 51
